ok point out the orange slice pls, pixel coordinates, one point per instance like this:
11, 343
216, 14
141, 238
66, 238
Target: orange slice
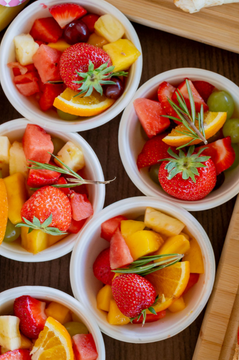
54, 342
3, 210
213, 121
82, 106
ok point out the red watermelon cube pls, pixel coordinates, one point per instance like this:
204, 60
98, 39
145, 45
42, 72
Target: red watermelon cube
29, 88
81, 206
84, 347
119, 251
50, 92
109, 227
46, 30
76, 226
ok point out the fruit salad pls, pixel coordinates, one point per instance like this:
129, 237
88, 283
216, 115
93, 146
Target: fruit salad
43, 192
73, 61
149, 266
23, 333
191, 138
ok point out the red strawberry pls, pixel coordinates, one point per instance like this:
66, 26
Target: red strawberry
150, 317
46, 30
45, 202
109, 227
101, 267
31, 313
153, 151
16, 355
50, 92
76, 58
133, 294
204, 88
66, 13
81, 206
62, 181
165, 92
76, 226
37, 178
193, 279
90, 20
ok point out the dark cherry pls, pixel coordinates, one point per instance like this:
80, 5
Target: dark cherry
75, 32
114, 91
89, 20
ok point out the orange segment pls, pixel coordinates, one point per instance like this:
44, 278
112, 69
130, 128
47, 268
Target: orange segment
82, 106
3, 210
213, 121
54, 342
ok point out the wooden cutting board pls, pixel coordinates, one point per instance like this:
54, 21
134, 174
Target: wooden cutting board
217, 26
218, 333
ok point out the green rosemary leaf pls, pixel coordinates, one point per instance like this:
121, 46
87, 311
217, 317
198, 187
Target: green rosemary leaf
72, 172
192, 103
202, 121
187, 144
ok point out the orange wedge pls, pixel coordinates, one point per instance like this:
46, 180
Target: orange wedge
82, 106
54, 342
3, 210
213, 121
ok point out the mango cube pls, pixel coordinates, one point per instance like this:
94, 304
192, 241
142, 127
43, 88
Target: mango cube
123, 53
72, 156
115, 316
16, 195
177, 305
97, 40
52, 239
34, 241
25, 47
17, 160
194, 257
4, 149
177, 244
58, 312
129, 227
143, 242
60, 45
109, 27
25, 343
104, 297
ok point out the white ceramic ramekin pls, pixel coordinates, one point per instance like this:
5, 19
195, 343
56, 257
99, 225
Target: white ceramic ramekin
85, 286
131, 141
29, 107
14, 130
51, 294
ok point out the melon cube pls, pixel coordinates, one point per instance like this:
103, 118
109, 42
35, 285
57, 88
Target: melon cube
84, 347
109, 227
123, 53
46, 60
34, 241
72, 156
119, 251
28, 89
109, 27
17, 160
4, 150
25, 48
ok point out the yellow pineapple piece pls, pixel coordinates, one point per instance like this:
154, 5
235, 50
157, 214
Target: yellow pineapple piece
123, 53
60, 45
194, 256
109, 27
72, 156
25, 343
59, 312
52, 239
25, 48
177, 244
143, 242
104, 297
177, 305
34, 241
162, 223
97, 40
17, 159
128, 227
115, 316
16, 195
4, 150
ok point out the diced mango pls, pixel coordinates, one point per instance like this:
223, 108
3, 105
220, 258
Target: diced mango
128, 227
115, 316
16, 195
177, 305
143, 242
59, 312
4, 149
123, 54
109, 27
60, 45
25, 343
177, 244
104, 297
34, 241
186, 235
97, 40
17, 160
194, 256
162, 304
162, 223
72, 156
52, 239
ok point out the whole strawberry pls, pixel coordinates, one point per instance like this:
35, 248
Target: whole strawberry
188, 176
101, 267
133, 294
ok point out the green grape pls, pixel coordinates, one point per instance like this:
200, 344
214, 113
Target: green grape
153, 173
66, 116
12, 233
221, 101
74, 328
236, 161
58, 144
231, 128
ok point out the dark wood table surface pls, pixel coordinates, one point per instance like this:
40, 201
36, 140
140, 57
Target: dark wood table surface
161, 52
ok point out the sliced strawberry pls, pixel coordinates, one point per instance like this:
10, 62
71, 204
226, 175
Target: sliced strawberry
90, 20
204, 88
109, 227
198, 100
150, 116
101, 267
119, 251
84, 347
221, 152
16, 355
26, 78
81, 206
29, 88
46, 30
31, 313
153, 151
150, 317
62, 181
37, 178
66, 13
50, 92
76, 226
193, 279
165, 92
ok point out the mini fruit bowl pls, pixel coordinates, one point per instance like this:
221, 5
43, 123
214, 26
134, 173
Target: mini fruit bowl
39, 308
85, 112
85, 270
39, 245
132, 137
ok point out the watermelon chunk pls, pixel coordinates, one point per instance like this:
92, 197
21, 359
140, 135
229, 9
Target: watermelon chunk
50, 92
76, 226
26, 78
198, 100
46, 30
150, 115
109, 227
119, 252
84, 347
46, 60
81, 206
28, 89
37, 143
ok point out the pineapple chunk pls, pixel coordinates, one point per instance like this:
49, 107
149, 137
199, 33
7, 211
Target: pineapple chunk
109, 27
4, 150
34, 241
162, 223
17, 160
123, 53
72, 156
10, 336
25, 47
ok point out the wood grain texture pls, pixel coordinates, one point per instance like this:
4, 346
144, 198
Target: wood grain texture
171, 52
